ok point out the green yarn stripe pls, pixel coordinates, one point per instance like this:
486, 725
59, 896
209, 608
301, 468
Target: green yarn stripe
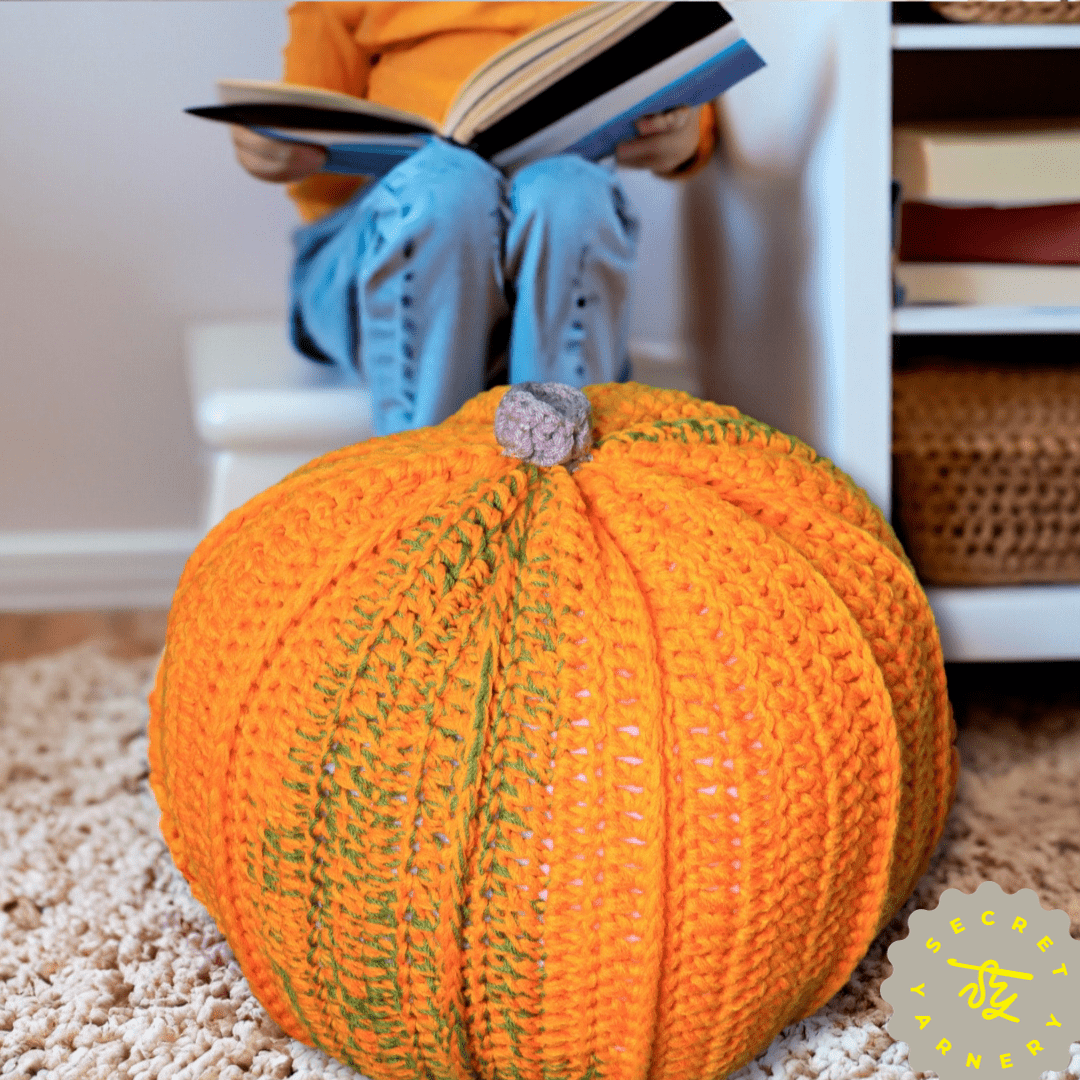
375, 790
511, 920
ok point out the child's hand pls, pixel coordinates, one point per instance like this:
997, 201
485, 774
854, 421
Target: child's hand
274, 160
665, 141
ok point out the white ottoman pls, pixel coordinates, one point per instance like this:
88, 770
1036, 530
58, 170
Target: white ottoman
263, 410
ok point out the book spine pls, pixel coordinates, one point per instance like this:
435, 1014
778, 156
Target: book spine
990, 283
1014, 234
896, 195
988, 168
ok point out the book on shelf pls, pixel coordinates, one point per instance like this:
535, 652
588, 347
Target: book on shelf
998, 284
1048, 234
576, 86
989, 162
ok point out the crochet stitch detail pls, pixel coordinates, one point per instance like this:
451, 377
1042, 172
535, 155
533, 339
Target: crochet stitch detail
492, 770
544, 423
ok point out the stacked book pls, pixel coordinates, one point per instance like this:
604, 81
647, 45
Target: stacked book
990, 213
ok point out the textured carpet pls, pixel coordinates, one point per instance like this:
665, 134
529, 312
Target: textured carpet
109, 968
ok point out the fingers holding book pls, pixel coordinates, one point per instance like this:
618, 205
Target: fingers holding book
273, 159
672, 120
665, 141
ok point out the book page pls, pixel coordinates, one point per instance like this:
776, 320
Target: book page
524, 50
538, 61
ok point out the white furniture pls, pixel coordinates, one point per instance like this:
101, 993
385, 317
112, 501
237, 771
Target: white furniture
977, 623
263, 410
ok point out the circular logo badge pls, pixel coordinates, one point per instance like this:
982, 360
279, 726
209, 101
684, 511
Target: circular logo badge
986, 985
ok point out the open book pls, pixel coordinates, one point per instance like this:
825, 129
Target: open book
575, 86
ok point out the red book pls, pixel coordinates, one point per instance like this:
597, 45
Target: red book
1009, 234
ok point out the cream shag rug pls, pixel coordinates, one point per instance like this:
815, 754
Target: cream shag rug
109, 967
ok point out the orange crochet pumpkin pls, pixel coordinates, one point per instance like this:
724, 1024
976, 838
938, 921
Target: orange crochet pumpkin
603, 769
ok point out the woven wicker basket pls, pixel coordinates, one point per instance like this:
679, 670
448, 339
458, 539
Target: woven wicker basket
1008, 11
988, 474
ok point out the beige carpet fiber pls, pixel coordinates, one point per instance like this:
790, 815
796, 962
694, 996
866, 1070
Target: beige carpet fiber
109, 968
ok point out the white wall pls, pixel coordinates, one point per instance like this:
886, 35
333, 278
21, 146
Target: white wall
122, 220
785, 237
760, 313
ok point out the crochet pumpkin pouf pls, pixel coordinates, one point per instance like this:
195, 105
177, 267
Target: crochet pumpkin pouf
549, 745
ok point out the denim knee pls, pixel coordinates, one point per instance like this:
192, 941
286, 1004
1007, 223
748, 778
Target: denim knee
455, 186
583, 192
430, 284
326, 251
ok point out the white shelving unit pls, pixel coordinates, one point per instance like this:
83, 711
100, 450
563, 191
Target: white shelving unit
1030, 622
980, 36
983, 623
945, 319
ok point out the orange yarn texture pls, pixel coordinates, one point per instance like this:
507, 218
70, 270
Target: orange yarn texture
486, 769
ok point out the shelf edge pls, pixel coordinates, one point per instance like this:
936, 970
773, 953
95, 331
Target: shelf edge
985, 36
961, 319
1023, 622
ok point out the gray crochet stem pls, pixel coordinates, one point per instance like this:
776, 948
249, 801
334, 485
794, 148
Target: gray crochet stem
545, 423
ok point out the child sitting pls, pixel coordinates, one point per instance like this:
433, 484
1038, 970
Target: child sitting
424, 278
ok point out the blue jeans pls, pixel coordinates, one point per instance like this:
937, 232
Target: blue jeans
428, 274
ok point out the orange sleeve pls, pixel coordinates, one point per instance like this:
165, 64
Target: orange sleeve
707, 138
323, 51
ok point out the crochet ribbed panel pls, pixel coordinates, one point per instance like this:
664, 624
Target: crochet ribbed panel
486, 769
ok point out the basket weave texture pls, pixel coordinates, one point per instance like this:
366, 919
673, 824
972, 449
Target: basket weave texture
988, 474
1007, 11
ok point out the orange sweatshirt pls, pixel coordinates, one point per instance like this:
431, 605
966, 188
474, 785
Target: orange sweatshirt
411, 56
